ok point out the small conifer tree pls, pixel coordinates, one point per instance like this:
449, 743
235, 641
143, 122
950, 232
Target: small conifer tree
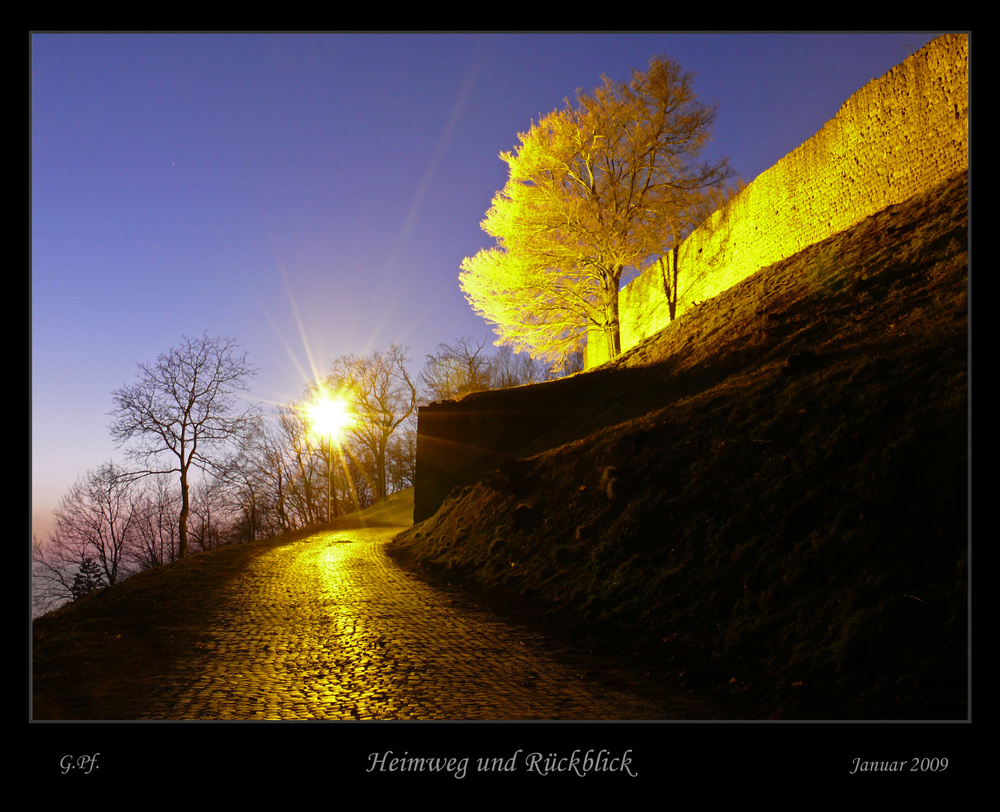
89, 578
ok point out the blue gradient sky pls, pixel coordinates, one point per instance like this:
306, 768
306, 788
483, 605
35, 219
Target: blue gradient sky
313, 195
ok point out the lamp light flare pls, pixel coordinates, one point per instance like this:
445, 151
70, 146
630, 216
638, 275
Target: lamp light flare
329, 416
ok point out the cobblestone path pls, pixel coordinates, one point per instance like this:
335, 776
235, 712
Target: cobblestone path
329, 628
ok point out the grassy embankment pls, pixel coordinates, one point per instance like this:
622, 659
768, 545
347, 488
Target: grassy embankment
769, 498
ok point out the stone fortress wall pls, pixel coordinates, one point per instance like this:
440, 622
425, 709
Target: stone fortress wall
895, 137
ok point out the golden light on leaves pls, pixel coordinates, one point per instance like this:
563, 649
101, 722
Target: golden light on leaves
610, 184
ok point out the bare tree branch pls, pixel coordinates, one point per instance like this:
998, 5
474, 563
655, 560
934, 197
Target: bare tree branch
184, 409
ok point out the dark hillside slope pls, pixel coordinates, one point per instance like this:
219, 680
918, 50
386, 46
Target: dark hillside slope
769, 498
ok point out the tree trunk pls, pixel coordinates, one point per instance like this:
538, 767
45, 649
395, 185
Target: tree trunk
670, 282
614, 341
282, 516
380, 487
612, 326
182, 521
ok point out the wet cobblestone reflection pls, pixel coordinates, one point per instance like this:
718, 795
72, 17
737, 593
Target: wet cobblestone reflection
329, 628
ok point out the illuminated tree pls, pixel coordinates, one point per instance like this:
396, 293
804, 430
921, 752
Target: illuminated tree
292, 441
383, 398
401, 458
259, 478
327, 414
184, 409
594, 189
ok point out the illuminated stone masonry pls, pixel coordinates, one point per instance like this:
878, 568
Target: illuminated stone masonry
896, 137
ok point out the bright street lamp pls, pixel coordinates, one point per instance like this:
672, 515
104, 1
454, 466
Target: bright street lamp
328, 416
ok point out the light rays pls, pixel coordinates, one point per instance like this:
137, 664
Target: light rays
393, 315
415, 207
